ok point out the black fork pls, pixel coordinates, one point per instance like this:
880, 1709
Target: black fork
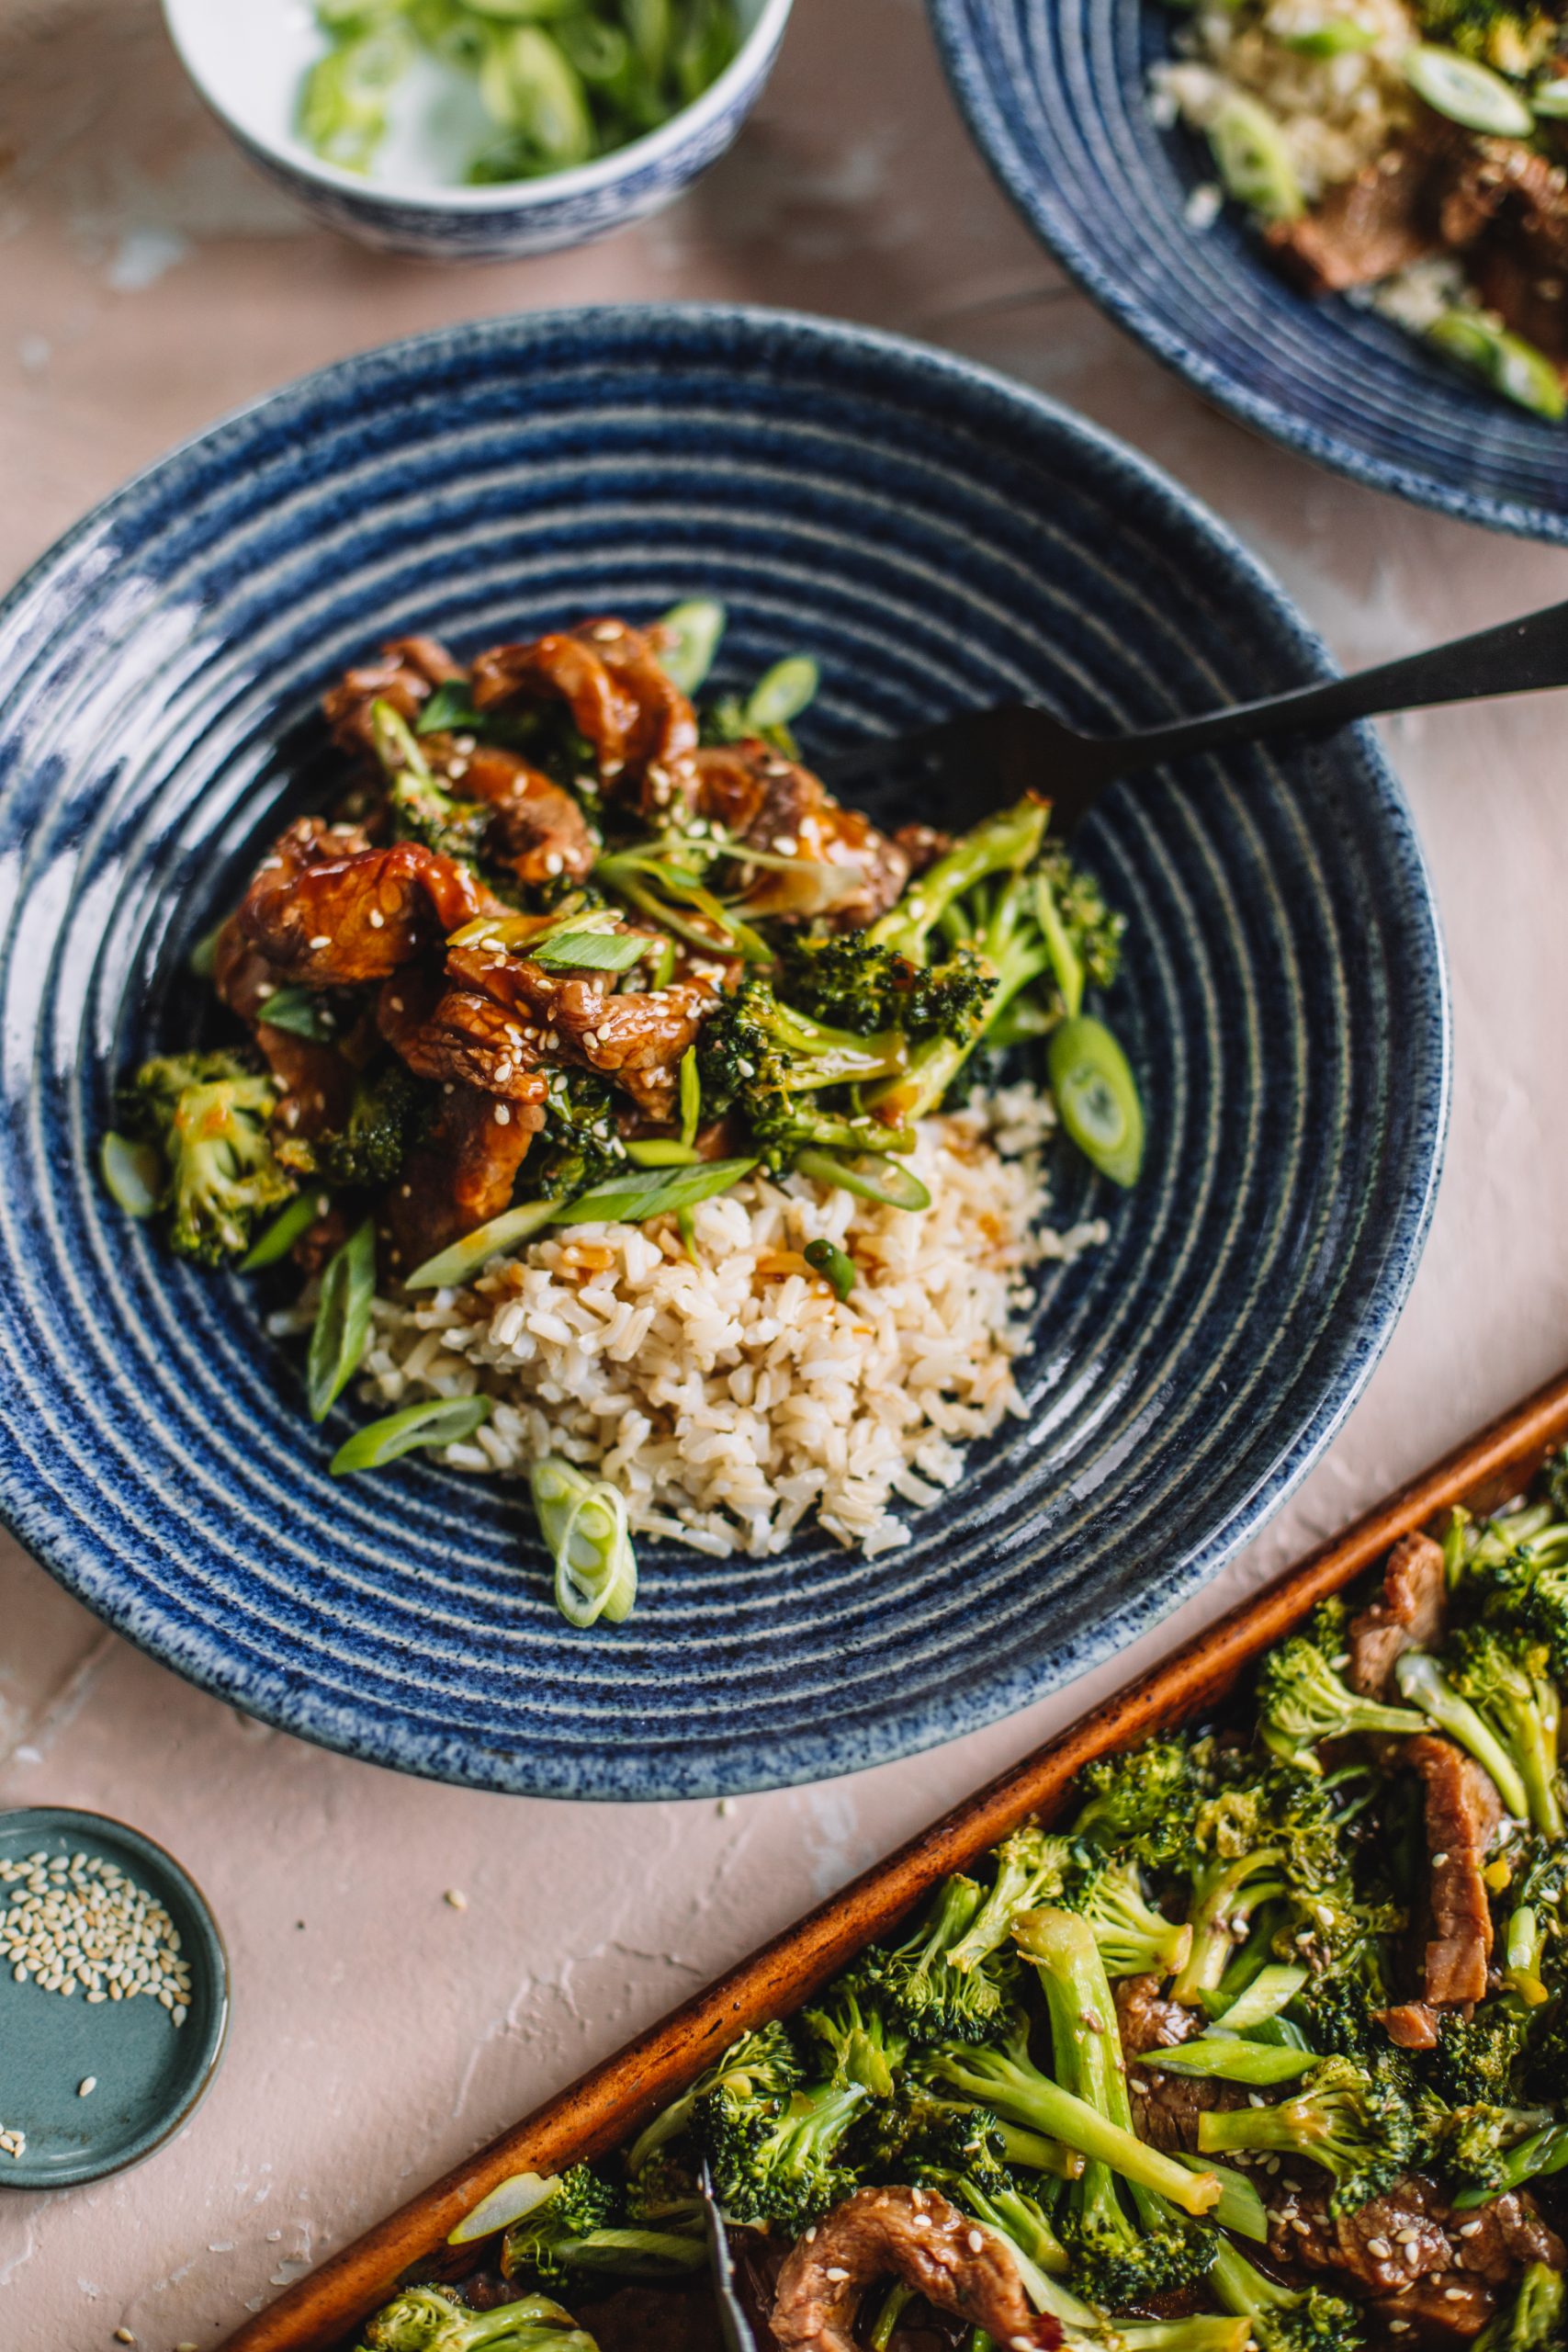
936, 770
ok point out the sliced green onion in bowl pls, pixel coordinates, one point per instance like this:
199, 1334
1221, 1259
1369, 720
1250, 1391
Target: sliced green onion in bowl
275, 1239
1096, 1096
1335, 37
1466, 93
825, 1258
783, 692
439, 1421
1252, 159
342, 1321
592, 950
133, 1172
583, 1521
661, 1151
300, 1011
872, 1176
462, 1259
1511, 365
448, 711
695, 629
1550, 100
642, 1193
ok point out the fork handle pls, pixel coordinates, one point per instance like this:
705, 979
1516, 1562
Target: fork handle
1517, 658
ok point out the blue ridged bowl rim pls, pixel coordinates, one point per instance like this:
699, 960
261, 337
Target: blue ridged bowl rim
1206, 301
988, 415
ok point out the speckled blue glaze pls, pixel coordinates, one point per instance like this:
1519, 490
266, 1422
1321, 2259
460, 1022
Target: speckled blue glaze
507, 222
1056, 92
937, 535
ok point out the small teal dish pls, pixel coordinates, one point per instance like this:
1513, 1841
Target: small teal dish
936, 537
1055, 93
147, 2075
248, 63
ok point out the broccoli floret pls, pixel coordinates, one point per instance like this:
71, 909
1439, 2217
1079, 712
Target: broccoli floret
932, 2001
1471, 2144
1135, 1940
429, 2319
664, 2191
1514, 36
1011, 2211
581, 1144
1117, 2256
207, 1113
1030, 1868
1421, 1679
1143, 1802
862, 2043
761, 2065
1283, 2319
1516, 1568
780, 2161
1534, 2322
1357, 2124
1005, 843
1302, 1700
1505, 1675
915, 2132
1270, 1834
1476, 2061
848, 981
774, 1064
384, 1120
574, 2230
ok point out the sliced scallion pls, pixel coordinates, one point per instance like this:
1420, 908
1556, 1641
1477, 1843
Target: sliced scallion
1229, 2059
133, 1172
592, 951
275, 1239
661, 1151
827, 1258
202, 961
872, 1176
1096, 1096
448, 711
1253, 160
1550, 100
782, 692
691, 1095
462, 1259
300, 1010
342, 1321
583, 1521
1511, 365
1465, 92
694, 630
439, 1421
1335, 37
642, 1193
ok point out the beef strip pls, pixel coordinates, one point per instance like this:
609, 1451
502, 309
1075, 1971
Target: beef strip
316, 1079
456, 1034
641, 728
1409, 1616
1166, 2107
404, 674
1431, 2310
1410, 2239
573, 1019
914, 2234
459, 1177
326, 911
1365, 229
850, 871
1411, 2026
1464, 1811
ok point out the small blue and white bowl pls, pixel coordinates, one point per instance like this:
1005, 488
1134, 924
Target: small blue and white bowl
249, 62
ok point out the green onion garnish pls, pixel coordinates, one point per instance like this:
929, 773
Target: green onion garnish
275, 1239
583, 1521
691, 1095
448, 711
202, 961
342, 1321
300, 1010
830, 1260
872, 1176
661, 1151
462, 1259
782, 692
695, 629
642, 1193
440, 1421
594, 951
1097, 1097
134, 1173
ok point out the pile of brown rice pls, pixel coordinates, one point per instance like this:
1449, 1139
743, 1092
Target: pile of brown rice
730, 1397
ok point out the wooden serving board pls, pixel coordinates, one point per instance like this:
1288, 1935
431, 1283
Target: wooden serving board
609, 2102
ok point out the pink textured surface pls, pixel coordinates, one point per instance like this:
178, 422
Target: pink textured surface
148, 281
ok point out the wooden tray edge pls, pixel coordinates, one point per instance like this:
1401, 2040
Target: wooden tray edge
596, 2111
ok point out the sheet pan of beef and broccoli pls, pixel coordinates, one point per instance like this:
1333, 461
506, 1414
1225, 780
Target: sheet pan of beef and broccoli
1263, 2043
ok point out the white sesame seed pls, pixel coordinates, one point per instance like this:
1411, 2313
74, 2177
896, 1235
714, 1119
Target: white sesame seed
1380, 2249
322, 939
1466, 2230
375, 919
835, 2273
974, 2241
457, 1898
123, 2335
1454, 2294
87, 2087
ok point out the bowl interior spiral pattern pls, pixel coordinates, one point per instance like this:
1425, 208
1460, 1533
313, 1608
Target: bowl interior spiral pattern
1055, 92
936, 537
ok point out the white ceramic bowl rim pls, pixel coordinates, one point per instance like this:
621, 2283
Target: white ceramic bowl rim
500, 195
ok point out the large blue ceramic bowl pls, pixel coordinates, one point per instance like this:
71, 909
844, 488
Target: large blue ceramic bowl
937, 537
1056, 92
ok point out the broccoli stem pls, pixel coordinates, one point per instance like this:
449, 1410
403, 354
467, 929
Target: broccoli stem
1544, 2151
1220, 1919
1227, 2060
1008, 841
1014, 960
888, 2318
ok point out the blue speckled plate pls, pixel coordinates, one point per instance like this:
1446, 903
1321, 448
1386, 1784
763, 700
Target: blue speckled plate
147, 2075
1055, 95
937, 537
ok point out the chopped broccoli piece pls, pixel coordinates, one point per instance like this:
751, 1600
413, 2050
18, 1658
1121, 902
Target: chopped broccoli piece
1421, 1679
848, 981
574, 2230
1471, 2144
761, 2065
1135, 1940
1269, 1835
1030, 1868
384, 1123
1005, 843
863, 2045
1477, 2059
1283, 2319
780, 2160
932, 2001
1504, 1677
1358, 2125
1534, 2322
1143, 1802
581, 1144
429, 2319
207, 1113
915, 2132
1302, 1700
